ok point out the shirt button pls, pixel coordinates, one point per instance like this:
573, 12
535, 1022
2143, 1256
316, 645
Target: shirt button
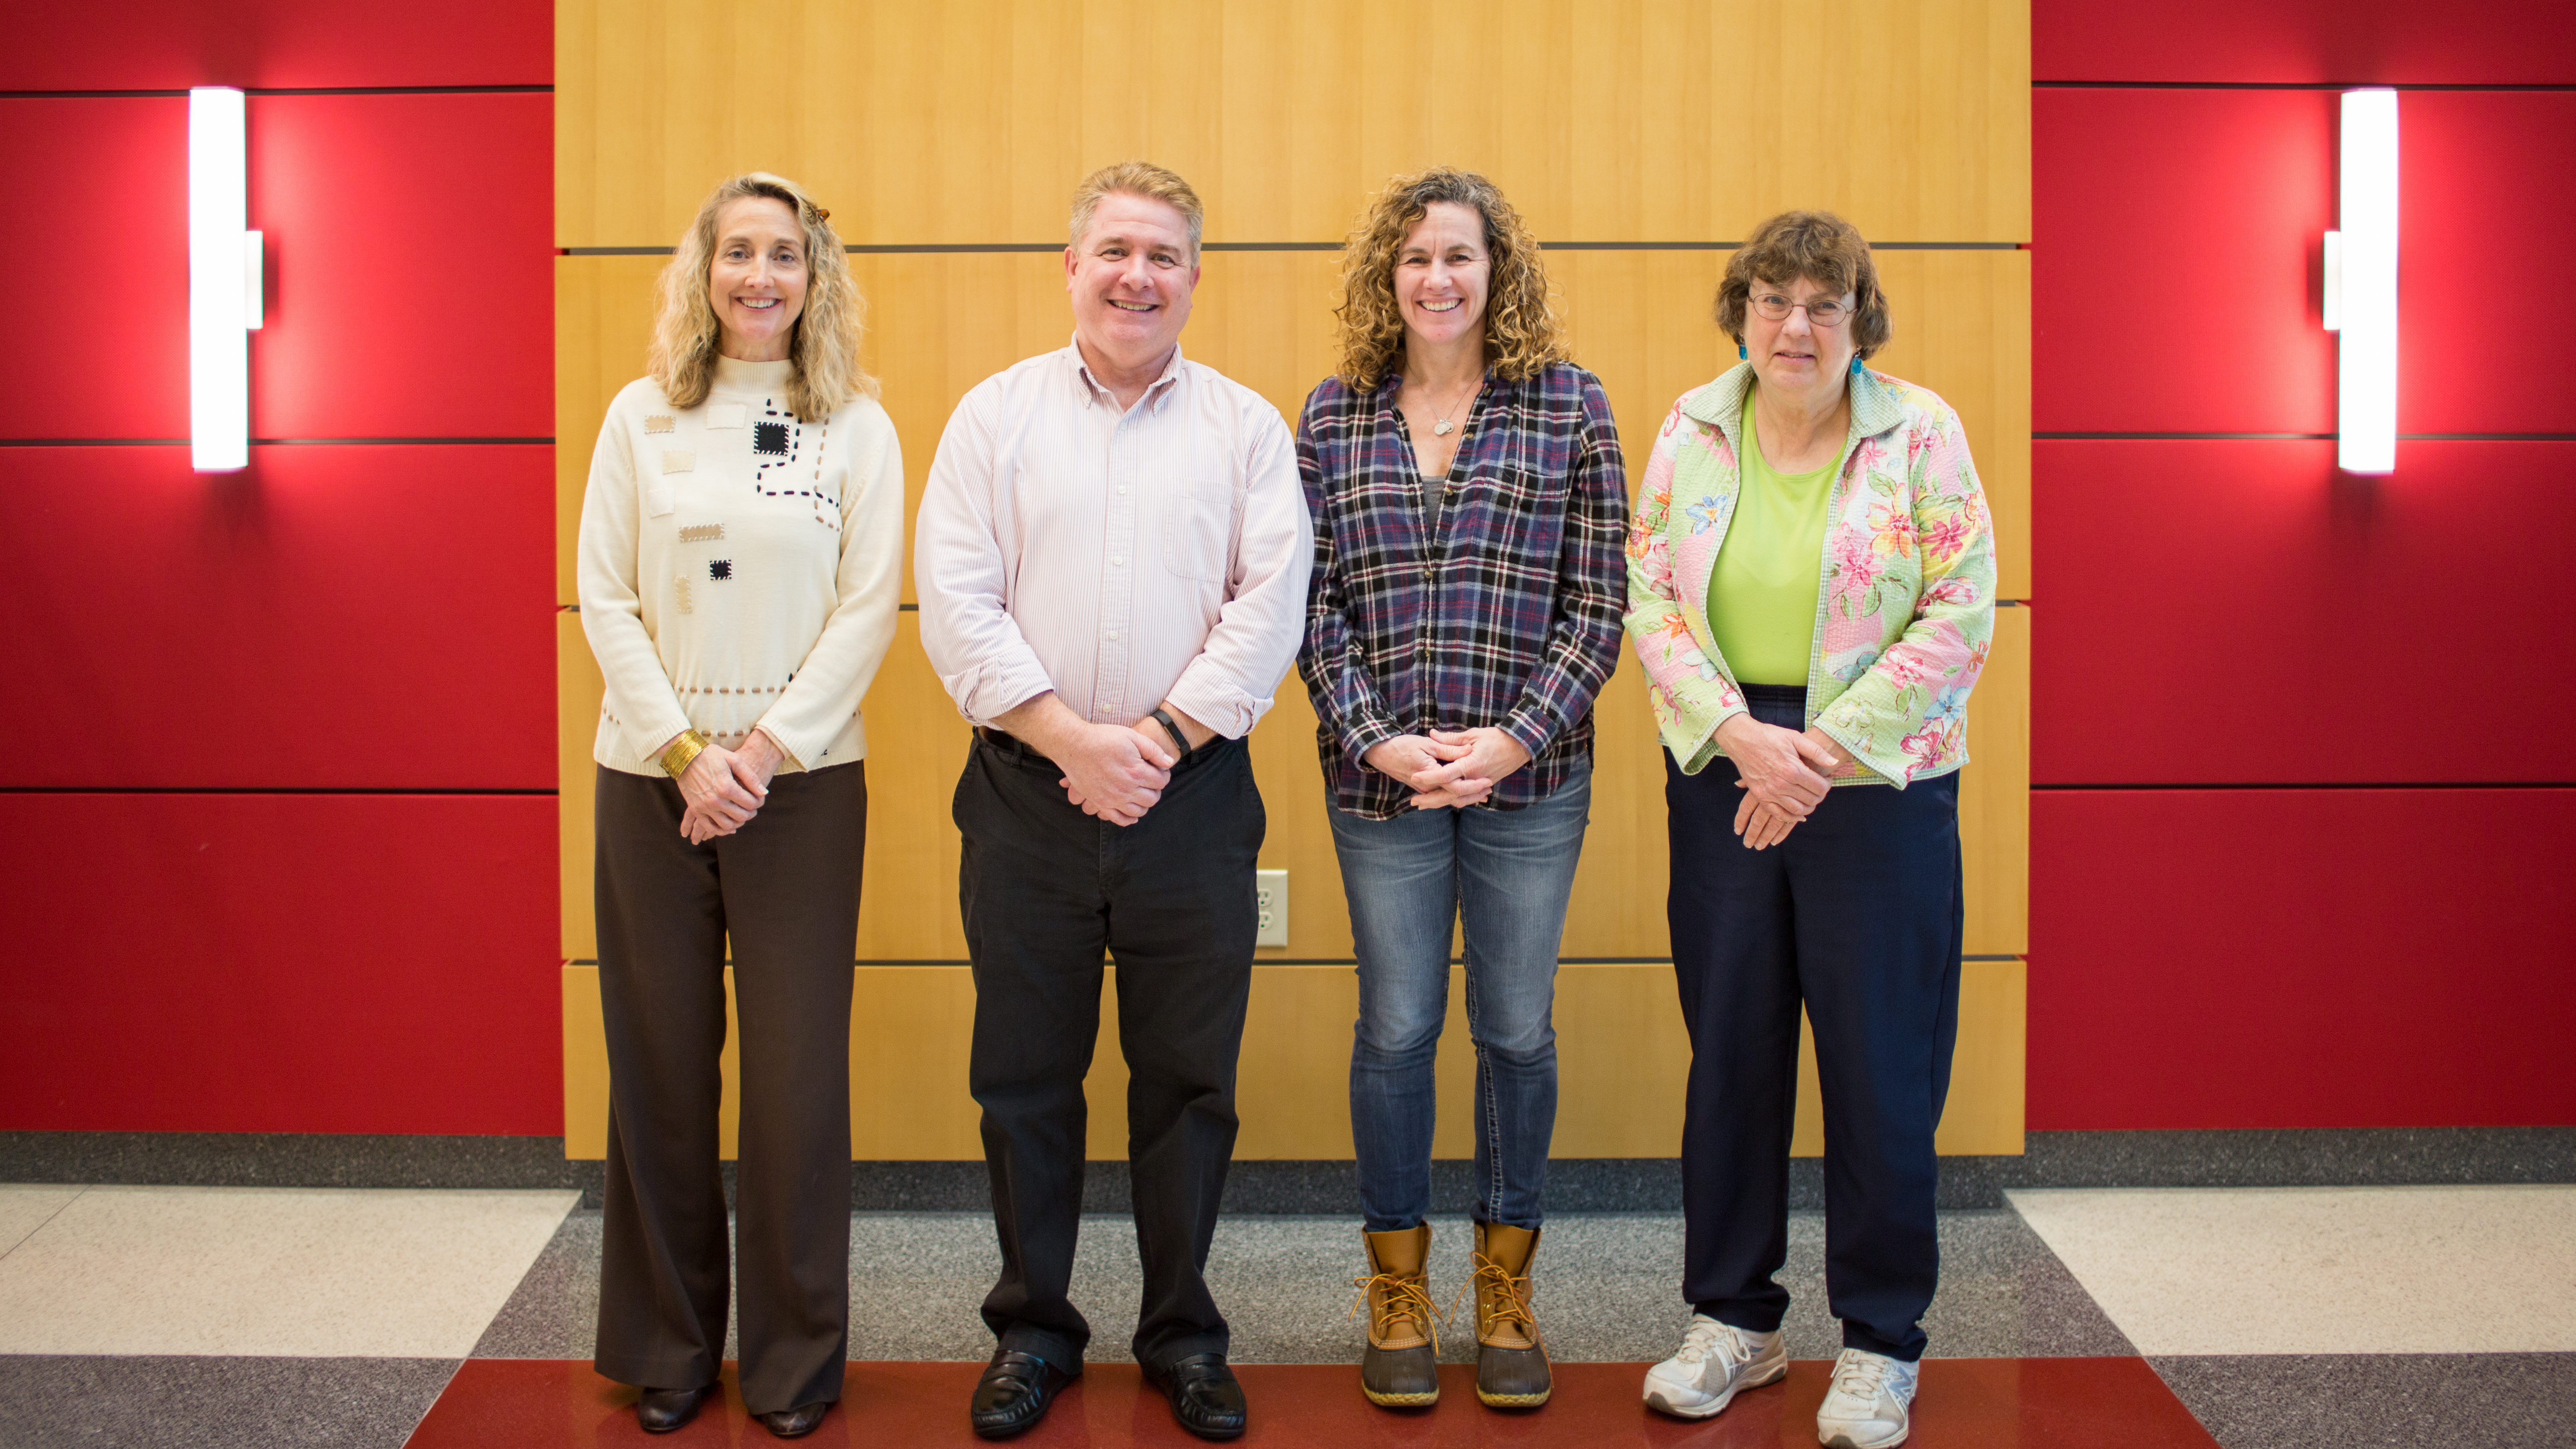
1117, 561
1122, 490
1113, 634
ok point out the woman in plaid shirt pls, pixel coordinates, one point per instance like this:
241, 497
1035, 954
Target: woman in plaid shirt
1470, 509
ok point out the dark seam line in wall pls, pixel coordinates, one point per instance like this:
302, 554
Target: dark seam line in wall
2332, 785
946, 248
276, 442
2298, 437
2048, 85
284, 91
261, 790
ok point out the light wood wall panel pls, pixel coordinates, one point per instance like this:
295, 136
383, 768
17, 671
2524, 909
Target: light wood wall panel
968, 122
1623, 1065
938, 323
917, 744
1640, 321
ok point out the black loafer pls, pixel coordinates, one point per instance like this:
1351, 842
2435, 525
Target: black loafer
662, 1410
1205, 1397
797, 1422
1014, 1393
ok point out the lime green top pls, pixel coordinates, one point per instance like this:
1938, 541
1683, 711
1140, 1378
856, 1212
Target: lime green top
1762, 591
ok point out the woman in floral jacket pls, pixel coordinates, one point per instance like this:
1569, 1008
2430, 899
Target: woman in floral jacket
1811, 589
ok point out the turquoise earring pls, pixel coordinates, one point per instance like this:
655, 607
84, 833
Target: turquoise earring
1742, 354
1855, 364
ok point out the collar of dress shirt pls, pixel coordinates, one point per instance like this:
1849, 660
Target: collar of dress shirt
1094, 392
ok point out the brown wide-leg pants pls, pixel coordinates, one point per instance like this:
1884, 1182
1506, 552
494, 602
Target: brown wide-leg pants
786, 889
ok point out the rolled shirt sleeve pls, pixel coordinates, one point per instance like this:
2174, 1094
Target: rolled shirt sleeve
962, 575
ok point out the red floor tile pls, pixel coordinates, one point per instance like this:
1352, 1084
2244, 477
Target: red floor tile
2101, 1403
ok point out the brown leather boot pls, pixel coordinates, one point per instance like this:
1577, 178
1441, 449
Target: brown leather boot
1511, 1361
1400, 1369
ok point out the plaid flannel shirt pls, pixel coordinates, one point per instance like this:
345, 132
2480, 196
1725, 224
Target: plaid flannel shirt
1509, 615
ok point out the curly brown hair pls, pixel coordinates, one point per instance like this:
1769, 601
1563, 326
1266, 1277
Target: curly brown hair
1522, 332
1821, 248
826, 346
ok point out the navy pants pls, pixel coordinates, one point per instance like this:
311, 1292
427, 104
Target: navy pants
1857, 917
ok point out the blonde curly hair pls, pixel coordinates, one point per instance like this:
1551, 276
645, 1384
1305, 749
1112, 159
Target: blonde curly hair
825, 349
1522, 331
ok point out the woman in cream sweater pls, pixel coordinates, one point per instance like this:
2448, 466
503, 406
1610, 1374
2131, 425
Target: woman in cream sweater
740, 539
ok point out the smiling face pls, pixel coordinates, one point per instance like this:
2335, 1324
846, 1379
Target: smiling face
756, 280
1793, 354
1443, 275
1130, 279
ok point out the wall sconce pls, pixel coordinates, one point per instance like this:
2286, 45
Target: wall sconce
2361, 286
224, 292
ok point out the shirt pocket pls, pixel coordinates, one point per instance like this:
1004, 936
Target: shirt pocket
1198, 525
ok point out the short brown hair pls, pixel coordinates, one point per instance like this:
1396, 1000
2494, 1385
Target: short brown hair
1522, 333
1821, 248
1136, 178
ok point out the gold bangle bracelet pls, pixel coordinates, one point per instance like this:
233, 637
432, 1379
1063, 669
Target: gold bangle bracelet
682, 751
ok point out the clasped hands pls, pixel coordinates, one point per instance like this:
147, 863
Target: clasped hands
1448, 769
1782, 774
724, 788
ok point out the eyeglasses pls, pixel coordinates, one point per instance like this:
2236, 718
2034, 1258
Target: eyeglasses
1772, 307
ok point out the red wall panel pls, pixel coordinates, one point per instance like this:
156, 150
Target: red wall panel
2487, 240
2174, 260
411, 283
2175, 266
2319, 958
335, 617
94, 268
160, 44
282, 963
411, 254
2342, 42
2239, 612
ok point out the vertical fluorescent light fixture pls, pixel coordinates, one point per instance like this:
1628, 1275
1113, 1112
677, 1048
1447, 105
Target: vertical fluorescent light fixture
2361, 275
219, 305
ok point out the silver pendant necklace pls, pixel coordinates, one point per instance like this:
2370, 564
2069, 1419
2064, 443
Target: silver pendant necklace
1441, 426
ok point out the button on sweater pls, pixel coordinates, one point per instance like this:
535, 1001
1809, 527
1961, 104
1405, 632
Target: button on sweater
738, 569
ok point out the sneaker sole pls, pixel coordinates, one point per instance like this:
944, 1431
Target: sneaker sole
1711, 1410
1846, 1441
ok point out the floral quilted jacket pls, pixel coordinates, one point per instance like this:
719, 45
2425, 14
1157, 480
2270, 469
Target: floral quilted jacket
1907, 611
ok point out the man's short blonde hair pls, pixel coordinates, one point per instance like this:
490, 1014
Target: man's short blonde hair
1136, 178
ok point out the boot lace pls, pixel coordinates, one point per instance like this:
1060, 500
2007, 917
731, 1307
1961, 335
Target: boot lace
1500, 1297
1404, 1296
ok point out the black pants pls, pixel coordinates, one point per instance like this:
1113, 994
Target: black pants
786, 888
1858, 916
1046, 889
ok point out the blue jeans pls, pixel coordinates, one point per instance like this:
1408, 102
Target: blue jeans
1508, 874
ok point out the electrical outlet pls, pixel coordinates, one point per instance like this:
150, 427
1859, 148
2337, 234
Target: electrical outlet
1270, 888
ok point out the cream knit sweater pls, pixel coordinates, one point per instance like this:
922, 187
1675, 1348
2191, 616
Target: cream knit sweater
739, 568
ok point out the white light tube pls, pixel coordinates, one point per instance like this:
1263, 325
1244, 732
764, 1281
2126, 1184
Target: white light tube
2366, 391
218, 307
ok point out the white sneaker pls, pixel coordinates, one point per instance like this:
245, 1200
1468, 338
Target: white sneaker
1865, 1408
1714, 1361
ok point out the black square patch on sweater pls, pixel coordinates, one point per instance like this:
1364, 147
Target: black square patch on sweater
721, 568
769, 439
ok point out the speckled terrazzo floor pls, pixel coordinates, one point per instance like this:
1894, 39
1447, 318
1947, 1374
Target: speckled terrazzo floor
221, 1316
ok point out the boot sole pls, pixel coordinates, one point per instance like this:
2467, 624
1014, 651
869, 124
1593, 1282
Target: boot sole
1402, 1401
1512, 1401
